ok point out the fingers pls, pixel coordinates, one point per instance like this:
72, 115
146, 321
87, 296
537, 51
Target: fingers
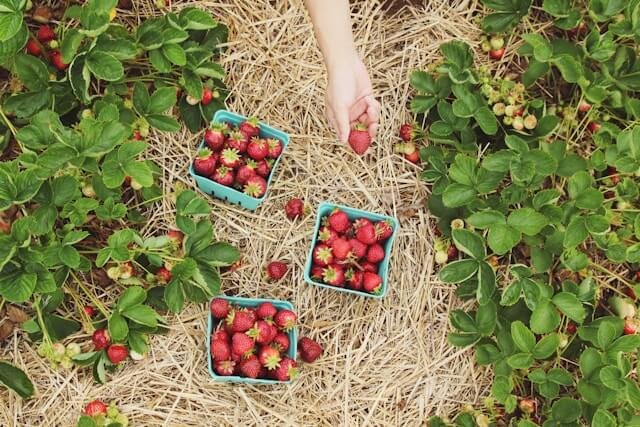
343, 124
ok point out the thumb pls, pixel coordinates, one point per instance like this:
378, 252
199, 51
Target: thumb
343, 124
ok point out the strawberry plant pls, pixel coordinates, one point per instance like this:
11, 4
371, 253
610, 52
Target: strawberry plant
75, 187
534, 181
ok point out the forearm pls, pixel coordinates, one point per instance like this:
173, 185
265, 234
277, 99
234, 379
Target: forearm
332, 25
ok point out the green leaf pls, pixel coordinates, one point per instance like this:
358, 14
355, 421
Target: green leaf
576, 232
161, 100
469, 242
142, 314
527, 221
458, 271
566, 410
175, 53
484, 219
560, 376
105, 66
590, 361
520, 361
487, 120
118, 328
570, 305
570, 69
611, 377
590, 199
16, 379
523, 338
174, 296
163, 123
603, 418
625, 344
70, 44
544, 318
486, 318
463, 321
140, 98
457, 195
486, 283
542, 50
546, 346
196, 19
32, 72
132, 296
606, 334
17, 286
502, 238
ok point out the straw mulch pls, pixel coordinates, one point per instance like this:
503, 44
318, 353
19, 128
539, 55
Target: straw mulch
385, 363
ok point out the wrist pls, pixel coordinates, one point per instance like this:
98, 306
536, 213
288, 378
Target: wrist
341, 62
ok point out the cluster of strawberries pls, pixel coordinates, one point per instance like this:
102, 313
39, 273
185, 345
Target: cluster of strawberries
46, 38
253, 342
409, 132
238, 157
349, 252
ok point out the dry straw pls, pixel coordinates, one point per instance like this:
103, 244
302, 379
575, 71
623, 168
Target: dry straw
386, 363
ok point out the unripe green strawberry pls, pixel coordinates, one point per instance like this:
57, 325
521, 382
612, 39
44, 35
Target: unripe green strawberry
496, 42
518, 123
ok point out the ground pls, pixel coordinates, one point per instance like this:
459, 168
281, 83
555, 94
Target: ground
386, 362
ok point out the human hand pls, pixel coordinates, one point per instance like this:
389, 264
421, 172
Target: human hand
350, 99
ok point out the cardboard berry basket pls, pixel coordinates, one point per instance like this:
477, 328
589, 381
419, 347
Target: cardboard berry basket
229, 194
250, 302
325, 209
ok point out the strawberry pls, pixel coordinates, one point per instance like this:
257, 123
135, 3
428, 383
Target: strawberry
496, 54
219, 308
285, 319
89, 311
242, 344
95, 407
327, 235
250, 367
286, 370
630, 327
375, 253
317, 272
408, 131
225, 368
100, 339
322, 255
207, 96
275, 148
371, 282
175, 236
309, 349
452, 253
261, 332
584, 106
238, 141
163, 275
214, 136
369, 266
354, 279
240, 320
384, 230
266, 310
255, 186
45, 34
333, 275
137, 136
281, 341
367, 234
230, 158
269, 357
205, 163
413, 157
359, 139
117, 353
245, 172
339, 221
294, 208
33, 48
257, 148
358, 248
613, 175
341, 249
630, 292
223, 175
362, 222
276, 270
593, 127
528, 406
251, 312
250, 127
264, 168
220, 335
56, 59
571, 328
220, 350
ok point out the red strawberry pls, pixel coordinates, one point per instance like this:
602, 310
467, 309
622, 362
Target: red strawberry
322, 255
281, 341
371, 282
630, 292
96, 407
269, 357
593, 127
286, 370
242, 344
266, 310
163, 275
251, 312
245, 172
207, 96
630, 327
255, 186
339, 221
250, 367
354, 279
45, 34
383, 230
230, 158
117, 353
285, 319
413, 157
223, 175
317, 272
583, 107
309, 349
261, 332
257, 148
294, 208
56, 59
361, 222
327, 235
408, 131
359, 249
214, 136
220, 350
367, 234
341, 249
33, 48
375, 253
100, 339
496, 54
175, 236
89, 311
452, 253
221, 335
369, 266
240, 320
250, 127
275, 148
225, 368
205, 163
137, 136
219, 308
276, 270
264, 168
239, 141
334, 275
359, 139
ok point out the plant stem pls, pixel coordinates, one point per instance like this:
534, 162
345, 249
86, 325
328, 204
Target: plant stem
8, 122
45, 333
105, 312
